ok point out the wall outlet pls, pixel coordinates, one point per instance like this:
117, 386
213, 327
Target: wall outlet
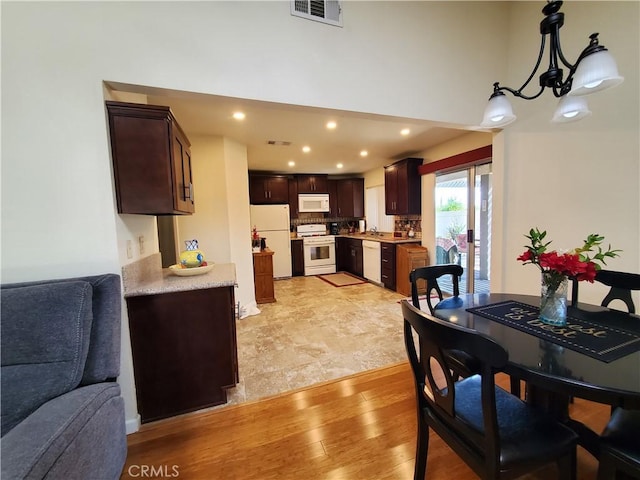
141, 244
129, 249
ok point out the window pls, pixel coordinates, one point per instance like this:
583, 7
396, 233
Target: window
374, 210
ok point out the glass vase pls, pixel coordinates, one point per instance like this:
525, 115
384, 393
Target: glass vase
553, 298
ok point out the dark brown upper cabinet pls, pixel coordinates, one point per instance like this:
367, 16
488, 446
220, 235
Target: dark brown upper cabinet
293, 198
312, 184
350, 192
268, 189
346, 197
151, 160
402, 187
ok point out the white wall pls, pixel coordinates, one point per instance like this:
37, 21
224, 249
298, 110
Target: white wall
235, 156
210, 222
425, 60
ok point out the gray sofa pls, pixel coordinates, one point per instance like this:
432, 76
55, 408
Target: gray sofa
62, 413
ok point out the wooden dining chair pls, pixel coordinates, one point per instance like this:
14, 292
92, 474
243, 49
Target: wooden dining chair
461, 363
619, 446
498, 435
621, 283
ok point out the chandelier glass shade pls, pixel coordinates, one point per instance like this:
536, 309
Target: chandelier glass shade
594, 70
571, 108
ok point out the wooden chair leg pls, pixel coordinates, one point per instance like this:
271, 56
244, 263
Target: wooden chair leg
567, 466
422, 447
515, 386
606, 470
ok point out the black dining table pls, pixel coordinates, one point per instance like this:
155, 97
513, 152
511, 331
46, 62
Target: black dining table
553, 372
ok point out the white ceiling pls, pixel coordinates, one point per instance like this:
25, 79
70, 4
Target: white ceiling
200, 114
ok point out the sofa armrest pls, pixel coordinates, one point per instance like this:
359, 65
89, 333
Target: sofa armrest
80, 434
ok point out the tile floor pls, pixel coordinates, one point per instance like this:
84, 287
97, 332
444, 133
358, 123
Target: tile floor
316, 332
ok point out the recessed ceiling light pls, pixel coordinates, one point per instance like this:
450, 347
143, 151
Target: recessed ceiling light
339, 165
292, 163
306, 149
239, 115
364, 153
331, 125
405, 131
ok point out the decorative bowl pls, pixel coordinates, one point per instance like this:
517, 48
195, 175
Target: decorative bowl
188, 272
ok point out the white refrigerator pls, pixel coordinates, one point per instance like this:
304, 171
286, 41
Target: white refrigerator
272, 223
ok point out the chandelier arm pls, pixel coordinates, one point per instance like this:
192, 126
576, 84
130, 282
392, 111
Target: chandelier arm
518, 93
563, 87
566, 62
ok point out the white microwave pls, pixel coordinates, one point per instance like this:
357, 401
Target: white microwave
313, 202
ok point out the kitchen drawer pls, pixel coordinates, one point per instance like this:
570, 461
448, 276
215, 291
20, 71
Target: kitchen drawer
388, 278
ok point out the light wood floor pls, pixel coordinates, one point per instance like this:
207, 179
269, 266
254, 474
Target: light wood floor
358, 427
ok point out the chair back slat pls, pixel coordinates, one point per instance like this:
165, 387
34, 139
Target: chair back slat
621, 283
430, 275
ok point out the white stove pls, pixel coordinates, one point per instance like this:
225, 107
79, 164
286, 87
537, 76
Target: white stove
319, 249
311, 230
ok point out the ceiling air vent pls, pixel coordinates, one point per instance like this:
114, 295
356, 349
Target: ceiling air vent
325, 11
281, 143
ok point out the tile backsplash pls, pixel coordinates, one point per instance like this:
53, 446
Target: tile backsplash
404, 223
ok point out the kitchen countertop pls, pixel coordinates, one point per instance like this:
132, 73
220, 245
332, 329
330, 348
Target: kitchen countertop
385, 237
147, 277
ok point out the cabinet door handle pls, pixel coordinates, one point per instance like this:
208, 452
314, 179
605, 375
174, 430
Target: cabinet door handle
188, 192
385, 260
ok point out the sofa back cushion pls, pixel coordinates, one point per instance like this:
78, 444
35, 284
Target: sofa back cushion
45, 333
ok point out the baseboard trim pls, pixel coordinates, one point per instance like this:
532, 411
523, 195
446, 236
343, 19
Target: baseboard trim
132, 425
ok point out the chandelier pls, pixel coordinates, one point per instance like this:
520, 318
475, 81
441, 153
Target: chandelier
594, 70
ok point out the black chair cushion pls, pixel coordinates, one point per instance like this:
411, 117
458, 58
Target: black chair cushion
622, 434
544, 438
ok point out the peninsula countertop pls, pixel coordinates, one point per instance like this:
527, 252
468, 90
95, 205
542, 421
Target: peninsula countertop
383, 237
147, 277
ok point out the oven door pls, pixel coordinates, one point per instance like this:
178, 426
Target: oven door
319, 257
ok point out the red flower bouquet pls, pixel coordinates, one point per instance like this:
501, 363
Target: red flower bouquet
579, 263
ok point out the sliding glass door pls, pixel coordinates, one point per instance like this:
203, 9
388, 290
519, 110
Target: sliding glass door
463, 225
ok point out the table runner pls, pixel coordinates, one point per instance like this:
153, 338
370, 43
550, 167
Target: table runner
596, 340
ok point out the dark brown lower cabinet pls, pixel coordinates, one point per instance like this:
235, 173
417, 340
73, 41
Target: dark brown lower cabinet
184, 350
297, 258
